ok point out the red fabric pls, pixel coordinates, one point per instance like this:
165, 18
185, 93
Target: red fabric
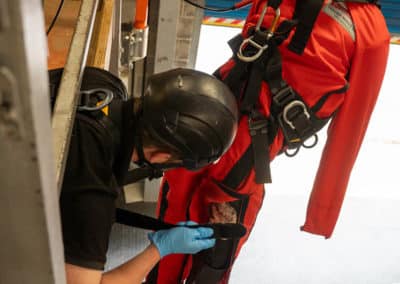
322, 68
349, 125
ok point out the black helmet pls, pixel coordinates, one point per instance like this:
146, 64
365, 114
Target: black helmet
191, 113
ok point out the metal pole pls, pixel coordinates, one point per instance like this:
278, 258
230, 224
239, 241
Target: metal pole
116, 39
64, 110
31, 250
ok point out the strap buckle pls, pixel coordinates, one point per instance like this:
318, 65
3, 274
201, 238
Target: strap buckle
104, 98
257, 124
283, 97
268, 34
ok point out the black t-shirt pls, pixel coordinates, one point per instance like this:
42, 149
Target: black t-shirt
88, 194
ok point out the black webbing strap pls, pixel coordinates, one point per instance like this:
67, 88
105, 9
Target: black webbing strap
258, 128
252, 91
240, 170
142, 173
274, 3
132, 219
237, 74
307, 12
261, 129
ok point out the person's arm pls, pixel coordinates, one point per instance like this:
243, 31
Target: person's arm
82, 275
132, 272
177, 240
135, 270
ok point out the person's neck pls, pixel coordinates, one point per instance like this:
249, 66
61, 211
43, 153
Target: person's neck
146, 153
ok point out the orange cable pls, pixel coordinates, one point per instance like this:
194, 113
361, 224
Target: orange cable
141, 14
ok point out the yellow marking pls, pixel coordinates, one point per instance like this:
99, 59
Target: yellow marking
104, 109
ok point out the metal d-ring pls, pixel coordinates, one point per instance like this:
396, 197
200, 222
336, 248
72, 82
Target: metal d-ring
107, 100
245, 58
250, 40
289, 106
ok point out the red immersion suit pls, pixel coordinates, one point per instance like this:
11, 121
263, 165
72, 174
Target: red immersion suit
352, 50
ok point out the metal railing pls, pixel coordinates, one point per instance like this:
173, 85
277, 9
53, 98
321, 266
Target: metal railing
68, 94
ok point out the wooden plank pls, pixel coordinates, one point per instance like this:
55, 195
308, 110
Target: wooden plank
100, 46
60, 36
59, 39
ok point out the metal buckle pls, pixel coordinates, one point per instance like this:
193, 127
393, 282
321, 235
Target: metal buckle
291, 105
257, 122
105, 102
249, 41
283, 96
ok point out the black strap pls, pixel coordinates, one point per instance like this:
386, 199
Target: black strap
238, 74
221, 231
142, 173
240, 170
274, 3
258, 128
307, 12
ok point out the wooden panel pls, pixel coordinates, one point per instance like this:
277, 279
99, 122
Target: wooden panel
60, 36
101, 44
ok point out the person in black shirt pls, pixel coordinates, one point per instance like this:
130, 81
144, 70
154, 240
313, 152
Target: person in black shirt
185, 118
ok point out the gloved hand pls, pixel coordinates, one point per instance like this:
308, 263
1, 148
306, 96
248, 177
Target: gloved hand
182, 239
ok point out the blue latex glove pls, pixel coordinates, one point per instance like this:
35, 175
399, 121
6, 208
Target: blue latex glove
182, 239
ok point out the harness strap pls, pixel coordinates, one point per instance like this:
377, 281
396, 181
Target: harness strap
295, 118
240, 170
307, 12
258, 128
142, 173
288, 110
234, 80
221, 231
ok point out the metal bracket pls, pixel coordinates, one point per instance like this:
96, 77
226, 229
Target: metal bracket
138, 39
10, 118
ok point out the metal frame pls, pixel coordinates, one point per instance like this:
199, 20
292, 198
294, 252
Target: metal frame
116, 39
173, 41
31, 250
64, 110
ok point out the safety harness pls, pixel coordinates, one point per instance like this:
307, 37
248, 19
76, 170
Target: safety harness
257, 59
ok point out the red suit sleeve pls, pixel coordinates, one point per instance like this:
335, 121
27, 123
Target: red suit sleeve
347, 129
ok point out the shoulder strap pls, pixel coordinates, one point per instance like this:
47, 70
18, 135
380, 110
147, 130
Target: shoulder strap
306, 12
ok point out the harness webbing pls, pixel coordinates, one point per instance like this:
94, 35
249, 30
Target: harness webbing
221, 231
142, 173
306, 12
240, 170
287, 107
